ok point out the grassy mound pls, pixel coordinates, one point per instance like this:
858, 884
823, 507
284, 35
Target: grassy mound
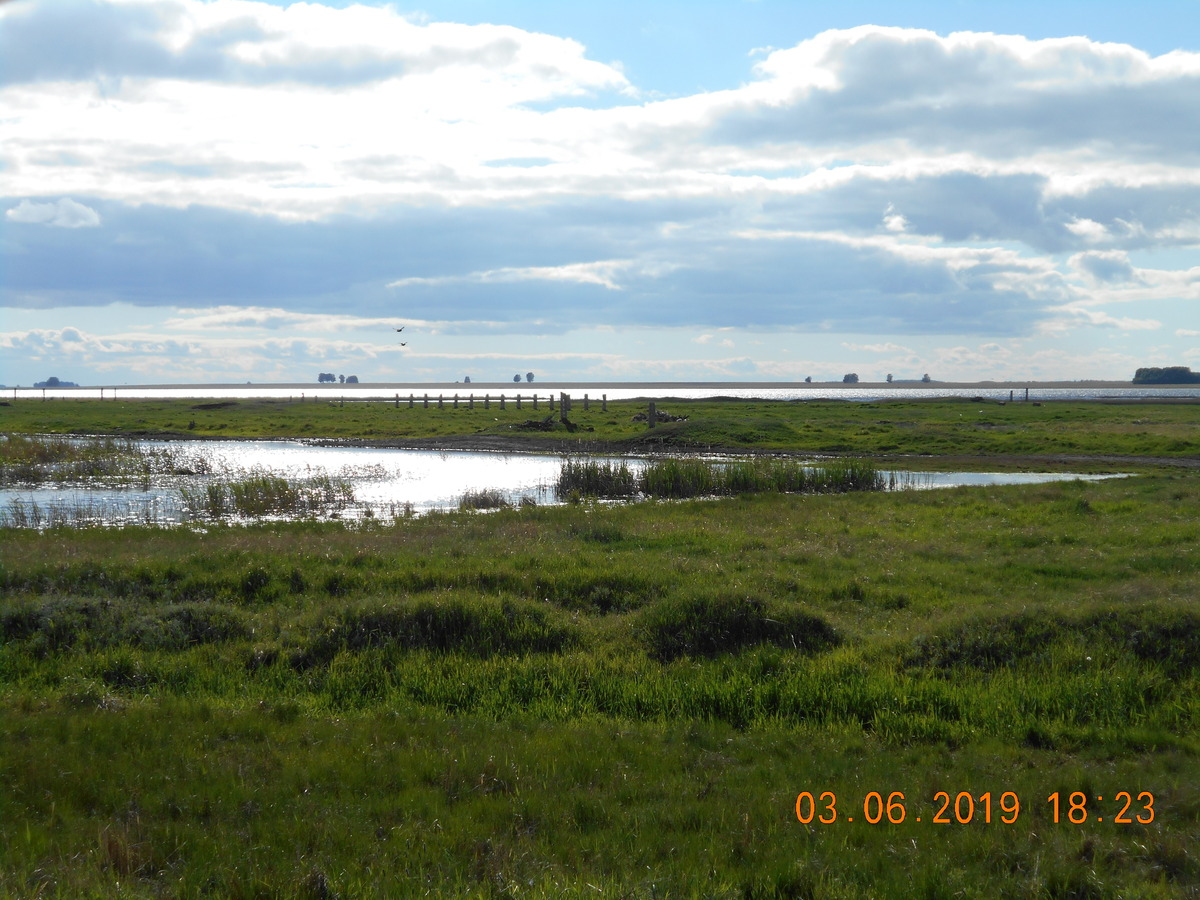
1150, 632
481, 627
711, 625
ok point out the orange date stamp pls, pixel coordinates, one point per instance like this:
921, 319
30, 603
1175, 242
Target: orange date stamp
965, 807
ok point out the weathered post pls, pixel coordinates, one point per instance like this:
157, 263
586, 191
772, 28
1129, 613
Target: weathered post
487, 401
502, 401
518, 401
397, 401
472, 402
585, 403
456, 401
564, 406
341, 402
535, 401
604, 402
653, 414
426, 400
551, 403
410, 401
440, 402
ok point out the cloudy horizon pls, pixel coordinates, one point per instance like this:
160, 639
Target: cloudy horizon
234, 190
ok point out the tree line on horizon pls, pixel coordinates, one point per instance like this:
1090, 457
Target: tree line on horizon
1166, 375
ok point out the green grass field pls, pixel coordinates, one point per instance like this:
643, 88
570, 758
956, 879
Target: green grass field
892, 428
622, 700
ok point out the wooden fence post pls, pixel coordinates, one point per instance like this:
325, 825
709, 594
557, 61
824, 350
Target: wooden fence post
440, 401
604, 402
653, 414
585, 403
427, 401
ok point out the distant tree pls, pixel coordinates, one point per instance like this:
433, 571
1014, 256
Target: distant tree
925, 378
1168, 375
852, 378
517, 379
351, 379
808, 380
341, 379
54, 382
326, 377
529, 377
889, 377
467, 380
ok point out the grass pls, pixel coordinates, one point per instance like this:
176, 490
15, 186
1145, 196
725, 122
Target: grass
920, 428
557, 701
619, 700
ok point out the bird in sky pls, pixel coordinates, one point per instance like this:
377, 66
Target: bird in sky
404, 343
401, 328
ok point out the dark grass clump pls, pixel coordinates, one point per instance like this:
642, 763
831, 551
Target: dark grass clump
56, 625
711, 625
1169, 637
476, 627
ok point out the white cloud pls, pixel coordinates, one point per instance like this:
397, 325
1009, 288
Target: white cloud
603, 273
1100, 319
64, 213
272, 171
876, 348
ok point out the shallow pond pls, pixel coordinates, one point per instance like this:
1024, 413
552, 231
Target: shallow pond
341, 482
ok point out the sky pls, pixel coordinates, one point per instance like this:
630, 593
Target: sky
223, 191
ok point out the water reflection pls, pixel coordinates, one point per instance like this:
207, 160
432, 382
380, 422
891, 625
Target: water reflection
354, 482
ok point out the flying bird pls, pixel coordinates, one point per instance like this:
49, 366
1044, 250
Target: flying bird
401, 328
404, 343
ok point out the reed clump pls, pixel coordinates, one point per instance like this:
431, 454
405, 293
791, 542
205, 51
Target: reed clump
263, 495
40, 459
482, 499
680, 478
593, 478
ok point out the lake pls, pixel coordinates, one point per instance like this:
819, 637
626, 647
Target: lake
383, 483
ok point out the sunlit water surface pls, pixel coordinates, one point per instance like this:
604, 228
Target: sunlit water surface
385, 482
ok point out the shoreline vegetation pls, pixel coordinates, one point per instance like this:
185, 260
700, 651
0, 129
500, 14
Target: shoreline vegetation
620, 699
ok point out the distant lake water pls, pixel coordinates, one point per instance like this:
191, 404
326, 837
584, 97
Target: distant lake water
1084, 390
